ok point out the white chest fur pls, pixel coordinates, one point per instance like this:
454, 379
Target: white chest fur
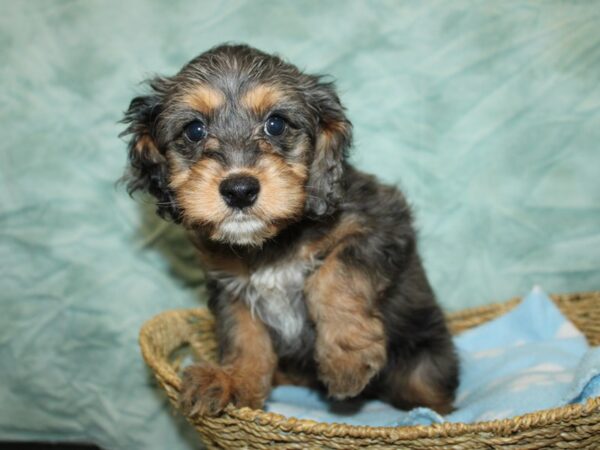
274, 294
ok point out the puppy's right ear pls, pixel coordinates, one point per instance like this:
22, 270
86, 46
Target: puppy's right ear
148, 170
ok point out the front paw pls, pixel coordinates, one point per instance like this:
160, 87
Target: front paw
206, 390
346, 372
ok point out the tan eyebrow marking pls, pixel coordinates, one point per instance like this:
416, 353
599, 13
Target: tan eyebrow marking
204, 98
262, 98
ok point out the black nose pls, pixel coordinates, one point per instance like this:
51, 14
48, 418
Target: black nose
239, 191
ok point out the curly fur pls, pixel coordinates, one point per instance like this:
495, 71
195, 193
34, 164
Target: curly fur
320, 277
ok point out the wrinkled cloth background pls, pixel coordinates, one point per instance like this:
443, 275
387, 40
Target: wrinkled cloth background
487, 114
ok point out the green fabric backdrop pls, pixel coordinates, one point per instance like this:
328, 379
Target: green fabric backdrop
486, 113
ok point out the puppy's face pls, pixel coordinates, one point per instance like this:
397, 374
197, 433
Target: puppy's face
238, 145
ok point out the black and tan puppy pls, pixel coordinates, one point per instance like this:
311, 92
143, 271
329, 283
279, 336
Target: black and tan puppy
313, 269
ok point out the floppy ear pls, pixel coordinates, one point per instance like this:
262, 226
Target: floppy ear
332, 141
148, 170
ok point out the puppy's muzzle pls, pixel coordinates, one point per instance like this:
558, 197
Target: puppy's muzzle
239, 191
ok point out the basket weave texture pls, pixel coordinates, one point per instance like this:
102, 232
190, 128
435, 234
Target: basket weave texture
571, 427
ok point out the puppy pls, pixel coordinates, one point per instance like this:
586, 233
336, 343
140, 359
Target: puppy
313, 269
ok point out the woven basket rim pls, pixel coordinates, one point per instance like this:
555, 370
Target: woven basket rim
307, 426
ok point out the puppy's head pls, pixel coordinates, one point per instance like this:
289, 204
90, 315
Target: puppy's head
238, 145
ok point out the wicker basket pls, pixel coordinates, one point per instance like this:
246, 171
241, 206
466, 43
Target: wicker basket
574, 426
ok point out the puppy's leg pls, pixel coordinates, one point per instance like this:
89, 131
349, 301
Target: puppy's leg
248, 362
350, 339
427, 379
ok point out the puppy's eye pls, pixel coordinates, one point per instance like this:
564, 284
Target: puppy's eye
275, 126
195, 131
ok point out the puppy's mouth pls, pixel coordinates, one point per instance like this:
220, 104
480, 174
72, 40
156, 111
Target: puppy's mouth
246, 208
242, 228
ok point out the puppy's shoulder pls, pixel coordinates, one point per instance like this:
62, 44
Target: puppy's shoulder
367, 196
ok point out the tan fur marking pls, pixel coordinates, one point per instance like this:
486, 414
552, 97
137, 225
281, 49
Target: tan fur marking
347, 226
350, 346
262, 98
252, 357
251, 342
206, 390
145, 144
211, 144
178, 170
421, 391
334, 127
416, 386
222, 262
280, 200
282, 193
199, 194
330, 136
203, 98
265, 146
244, 378
281, 378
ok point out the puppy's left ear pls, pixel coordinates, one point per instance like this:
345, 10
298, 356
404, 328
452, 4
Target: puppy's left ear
332, 141
148, 170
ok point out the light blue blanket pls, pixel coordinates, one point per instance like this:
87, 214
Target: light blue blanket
530, 359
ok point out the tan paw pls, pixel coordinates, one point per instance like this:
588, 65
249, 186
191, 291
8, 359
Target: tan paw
346, 372
206, 390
